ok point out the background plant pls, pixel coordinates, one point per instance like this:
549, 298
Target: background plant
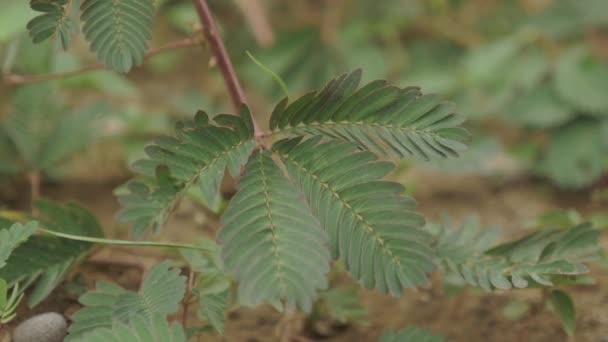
306, 168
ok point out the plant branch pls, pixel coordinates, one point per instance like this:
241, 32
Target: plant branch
216, 45
122, 242
15, 79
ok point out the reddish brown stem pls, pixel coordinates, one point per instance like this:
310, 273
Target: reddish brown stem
216, 45
14, 79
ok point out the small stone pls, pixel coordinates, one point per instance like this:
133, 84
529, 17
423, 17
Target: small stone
46, 327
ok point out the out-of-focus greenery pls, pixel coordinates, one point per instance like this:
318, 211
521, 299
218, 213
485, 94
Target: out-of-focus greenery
531, 73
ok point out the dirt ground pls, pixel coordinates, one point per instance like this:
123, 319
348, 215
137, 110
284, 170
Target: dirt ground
468, 316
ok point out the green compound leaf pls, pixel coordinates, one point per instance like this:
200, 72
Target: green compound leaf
44, 260
212, 309
582, 79
160, 293
372, 227
198, 154
141, 328
538, 259
271, 242
384, 119
53, 23
411, 334
118, 30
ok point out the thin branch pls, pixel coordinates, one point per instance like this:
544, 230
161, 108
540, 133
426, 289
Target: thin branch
214, 41
122, 242
15, 79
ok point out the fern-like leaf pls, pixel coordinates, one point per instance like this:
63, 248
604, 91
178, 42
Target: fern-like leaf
154, 329
384, 119
371, 225
538, 259
44, 260
270, 240
411, 334
54, 22
160, 294
200, 153
118, 30
212, 309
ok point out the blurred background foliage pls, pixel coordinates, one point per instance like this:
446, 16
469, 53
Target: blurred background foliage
531, 74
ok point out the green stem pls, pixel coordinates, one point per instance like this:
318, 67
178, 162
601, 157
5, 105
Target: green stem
123, 242
273, 74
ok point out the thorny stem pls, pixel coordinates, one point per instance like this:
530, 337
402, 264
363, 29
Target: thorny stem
216, 45
15, 79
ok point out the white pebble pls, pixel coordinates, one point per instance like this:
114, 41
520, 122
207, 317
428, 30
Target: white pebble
46, 327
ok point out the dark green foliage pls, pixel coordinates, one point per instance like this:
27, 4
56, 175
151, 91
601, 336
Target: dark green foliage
564, 307
118, 30
153, 329
38, 133
11, 237
384, 119
271, 242
542, 258
290, 192
371, 226
199, 154
110, 306
54, 22
43, 261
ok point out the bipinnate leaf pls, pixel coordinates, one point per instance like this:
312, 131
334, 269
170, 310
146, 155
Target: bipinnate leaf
118, 30
141, 328
199, 154
381, 118
372, 227
270, 241
411, 334
541, 258
110, 305
54, 22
